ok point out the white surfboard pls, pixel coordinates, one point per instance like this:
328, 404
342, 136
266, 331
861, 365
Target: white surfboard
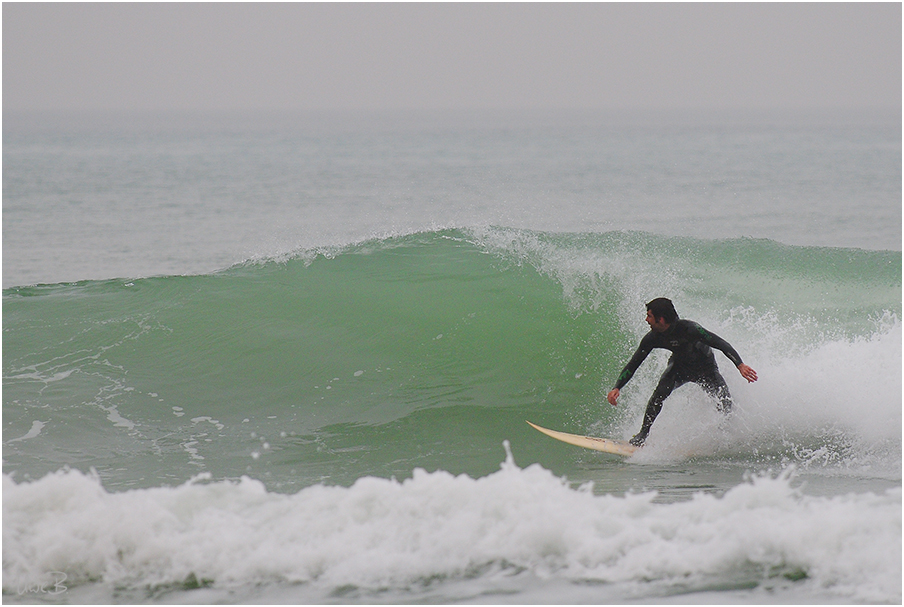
607, 445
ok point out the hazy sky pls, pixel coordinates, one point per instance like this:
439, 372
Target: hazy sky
307, 56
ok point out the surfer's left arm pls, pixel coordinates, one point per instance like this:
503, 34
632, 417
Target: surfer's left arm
714, 341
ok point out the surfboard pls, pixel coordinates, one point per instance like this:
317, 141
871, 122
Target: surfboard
606, 445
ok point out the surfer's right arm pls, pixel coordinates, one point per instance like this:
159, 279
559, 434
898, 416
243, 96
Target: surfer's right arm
645, 347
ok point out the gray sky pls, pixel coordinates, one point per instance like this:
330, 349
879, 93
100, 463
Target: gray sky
309, 56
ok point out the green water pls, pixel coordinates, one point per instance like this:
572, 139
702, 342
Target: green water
422, 351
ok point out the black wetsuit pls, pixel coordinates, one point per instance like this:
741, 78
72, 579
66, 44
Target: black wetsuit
692, 360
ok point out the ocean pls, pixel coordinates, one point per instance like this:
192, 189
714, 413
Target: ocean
289, 358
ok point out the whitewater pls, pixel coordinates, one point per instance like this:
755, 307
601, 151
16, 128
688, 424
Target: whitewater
290, 359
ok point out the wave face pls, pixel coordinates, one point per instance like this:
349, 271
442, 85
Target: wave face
381, 378
429, 350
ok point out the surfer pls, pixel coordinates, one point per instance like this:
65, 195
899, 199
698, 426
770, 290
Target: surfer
692, 360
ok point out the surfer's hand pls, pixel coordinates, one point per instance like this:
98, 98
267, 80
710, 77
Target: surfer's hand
748, 373
613, 396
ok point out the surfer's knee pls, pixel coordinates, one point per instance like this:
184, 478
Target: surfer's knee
718, 391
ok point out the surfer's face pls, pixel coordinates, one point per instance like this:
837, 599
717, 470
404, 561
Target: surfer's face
657, 324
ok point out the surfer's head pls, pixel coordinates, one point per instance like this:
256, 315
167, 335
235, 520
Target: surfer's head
661, 313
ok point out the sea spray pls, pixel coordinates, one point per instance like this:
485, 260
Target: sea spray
516, 523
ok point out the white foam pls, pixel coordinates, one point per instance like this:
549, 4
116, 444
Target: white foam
836, 401
855, 383
36, 427
382, 533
